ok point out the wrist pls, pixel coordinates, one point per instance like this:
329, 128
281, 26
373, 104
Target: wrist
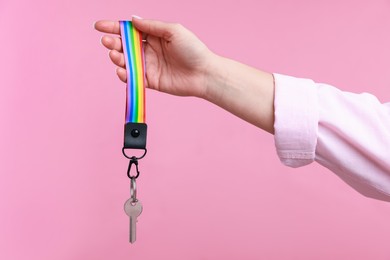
242, 90
215, 78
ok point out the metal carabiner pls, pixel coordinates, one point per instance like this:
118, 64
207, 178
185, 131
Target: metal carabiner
133, 160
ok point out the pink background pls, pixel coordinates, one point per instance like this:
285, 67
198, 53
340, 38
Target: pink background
212, 185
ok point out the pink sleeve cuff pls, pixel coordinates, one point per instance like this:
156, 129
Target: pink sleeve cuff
296, 120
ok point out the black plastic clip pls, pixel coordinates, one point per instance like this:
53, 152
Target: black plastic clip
135, 135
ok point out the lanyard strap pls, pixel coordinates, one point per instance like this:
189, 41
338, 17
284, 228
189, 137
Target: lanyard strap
135, 127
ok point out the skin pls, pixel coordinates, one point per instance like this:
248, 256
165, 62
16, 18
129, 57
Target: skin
178, 63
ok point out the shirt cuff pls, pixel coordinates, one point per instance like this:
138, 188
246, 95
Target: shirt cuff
296, 120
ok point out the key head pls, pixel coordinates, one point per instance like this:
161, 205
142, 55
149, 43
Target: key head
133, 209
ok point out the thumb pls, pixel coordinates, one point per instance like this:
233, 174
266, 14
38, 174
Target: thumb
153, 27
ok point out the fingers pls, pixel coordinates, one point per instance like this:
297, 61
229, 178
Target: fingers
121, 72
116, 55
112, 43
117, 58
155, 28
108, 26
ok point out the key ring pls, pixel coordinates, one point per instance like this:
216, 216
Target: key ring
133, 190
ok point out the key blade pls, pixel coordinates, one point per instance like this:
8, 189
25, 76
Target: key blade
133, 229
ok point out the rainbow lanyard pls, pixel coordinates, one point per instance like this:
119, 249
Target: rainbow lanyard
135, 127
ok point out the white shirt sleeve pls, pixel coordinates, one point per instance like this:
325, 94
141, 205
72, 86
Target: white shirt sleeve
345, 132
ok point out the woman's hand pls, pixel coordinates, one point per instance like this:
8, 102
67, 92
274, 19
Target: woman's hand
176, 61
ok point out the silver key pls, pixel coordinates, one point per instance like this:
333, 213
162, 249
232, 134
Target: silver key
133, 210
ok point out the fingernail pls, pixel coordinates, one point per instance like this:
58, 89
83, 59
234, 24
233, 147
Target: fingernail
136, 17
101, 40
93, 25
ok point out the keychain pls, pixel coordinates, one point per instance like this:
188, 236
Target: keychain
135, 127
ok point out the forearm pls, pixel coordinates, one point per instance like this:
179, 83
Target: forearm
242, 90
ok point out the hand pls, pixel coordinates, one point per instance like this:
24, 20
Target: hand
176, 61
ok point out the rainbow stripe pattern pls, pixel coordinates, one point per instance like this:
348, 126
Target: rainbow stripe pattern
135, 68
